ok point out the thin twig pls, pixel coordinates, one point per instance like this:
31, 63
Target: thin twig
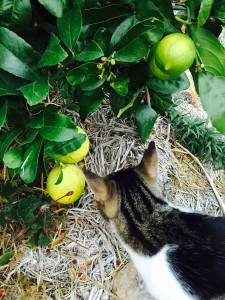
220, 201
148, 98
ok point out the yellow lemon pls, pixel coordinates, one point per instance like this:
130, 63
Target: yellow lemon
70, 188
175, 53
79, 154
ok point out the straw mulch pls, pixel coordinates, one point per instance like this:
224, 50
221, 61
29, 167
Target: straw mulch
86, 255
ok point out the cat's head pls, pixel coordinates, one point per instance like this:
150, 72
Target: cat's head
106, 189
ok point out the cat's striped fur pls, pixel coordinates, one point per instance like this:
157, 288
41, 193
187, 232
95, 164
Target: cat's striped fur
180, 255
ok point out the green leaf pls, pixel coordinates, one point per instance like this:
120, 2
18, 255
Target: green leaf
17, 57
204, 11
37, 91
43, 239
15, 15
131, 102
131, 40
89, 102
57, 127
161, 103
29, 167
55, 7
91, 52
145, 118
193, 7
219, 9
69, 27
212, 94
3, 112
13, 158
160, 9
209, 50
27, 207
30, 136
56, 149
7, 139
9, 83
120, 85
86, 76
54, 53
104, 14
37, 122
60, 178
4, 259
169, 86
66, 90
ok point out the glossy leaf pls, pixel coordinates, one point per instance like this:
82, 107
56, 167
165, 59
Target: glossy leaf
193, 7
7, 139
9, 83
209, 50
104, 14
13, 158
15, 14
30, 161
204, 11
56, 149
91, 52
57, 127
36, 122
3, 112
69, 27
131, 40
131, 102
160, 9
169, 86
120, 85
89, 102
212, 94
35, 92
55, 7
161, 102
17, 57
145, 118
86, 76
54, 53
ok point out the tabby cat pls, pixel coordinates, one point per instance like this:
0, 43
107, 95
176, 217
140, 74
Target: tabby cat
179, 253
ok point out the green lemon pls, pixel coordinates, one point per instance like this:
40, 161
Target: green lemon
156, 71
79, 154
70, 188
175, 53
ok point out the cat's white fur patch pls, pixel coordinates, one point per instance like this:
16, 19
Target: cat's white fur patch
158, 276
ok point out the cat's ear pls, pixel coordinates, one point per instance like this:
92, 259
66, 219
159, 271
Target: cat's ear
99, 186
149, 162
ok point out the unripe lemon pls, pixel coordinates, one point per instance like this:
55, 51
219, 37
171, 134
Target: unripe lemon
79, 154
156, 71
70, 188
175, 53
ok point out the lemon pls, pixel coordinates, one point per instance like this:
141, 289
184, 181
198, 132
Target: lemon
175, 53
70, 188
156, 71
79, 154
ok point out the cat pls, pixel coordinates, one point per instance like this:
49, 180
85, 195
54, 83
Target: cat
179, 253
